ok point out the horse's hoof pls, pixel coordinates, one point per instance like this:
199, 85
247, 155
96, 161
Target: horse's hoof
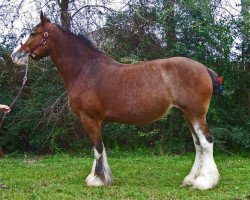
201, 183
93, 180
206, 182
188, 180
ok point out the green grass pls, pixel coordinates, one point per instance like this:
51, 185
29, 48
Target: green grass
136, 177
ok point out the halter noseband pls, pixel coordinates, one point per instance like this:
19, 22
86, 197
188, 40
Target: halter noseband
43, 42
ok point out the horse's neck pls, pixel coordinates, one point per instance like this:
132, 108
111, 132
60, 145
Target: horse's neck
70, 55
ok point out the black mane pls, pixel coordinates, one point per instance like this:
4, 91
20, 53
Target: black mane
81, 37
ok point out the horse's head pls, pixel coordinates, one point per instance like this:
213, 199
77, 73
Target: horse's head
34, 45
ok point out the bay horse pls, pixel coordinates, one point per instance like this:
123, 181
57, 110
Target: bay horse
101, 89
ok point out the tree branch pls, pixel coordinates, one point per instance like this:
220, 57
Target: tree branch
92, 6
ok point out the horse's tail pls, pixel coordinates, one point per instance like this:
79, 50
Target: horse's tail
217, 82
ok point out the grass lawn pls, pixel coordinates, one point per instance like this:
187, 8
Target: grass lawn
135, 176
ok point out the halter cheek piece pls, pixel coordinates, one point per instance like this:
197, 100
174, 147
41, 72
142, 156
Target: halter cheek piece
43, 42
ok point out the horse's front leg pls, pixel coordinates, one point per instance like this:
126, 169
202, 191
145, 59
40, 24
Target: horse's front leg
101, 173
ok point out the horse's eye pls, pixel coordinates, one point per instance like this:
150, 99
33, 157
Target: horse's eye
32, 34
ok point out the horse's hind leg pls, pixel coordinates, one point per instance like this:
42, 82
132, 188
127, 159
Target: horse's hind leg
208, 176
195, 171
101, 173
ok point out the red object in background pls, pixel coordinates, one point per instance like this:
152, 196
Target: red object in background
220, 80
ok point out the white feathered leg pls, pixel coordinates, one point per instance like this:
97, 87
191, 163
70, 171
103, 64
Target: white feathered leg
190, 178
101, 173
208, 176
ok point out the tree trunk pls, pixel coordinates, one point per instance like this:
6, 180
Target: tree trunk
65, 16
1, 152
245, 4
170, 25
163, 140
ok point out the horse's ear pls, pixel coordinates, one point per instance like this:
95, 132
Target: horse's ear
43, 18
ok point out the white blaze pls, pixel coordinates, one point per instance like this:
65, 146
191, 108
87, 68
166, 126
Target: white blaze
18, 55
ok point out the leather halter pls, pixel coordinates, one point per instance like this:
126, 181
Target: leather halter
43, 42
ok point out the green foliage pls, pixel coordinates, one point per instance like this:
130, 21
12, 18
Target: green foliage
40, 120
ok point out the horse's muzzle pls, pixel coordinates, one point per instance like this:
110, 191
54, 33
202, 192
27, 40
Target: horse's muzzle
19, 57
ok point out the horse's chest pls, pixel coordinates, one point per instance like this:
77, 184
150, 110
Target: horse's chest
73, 105
84, 102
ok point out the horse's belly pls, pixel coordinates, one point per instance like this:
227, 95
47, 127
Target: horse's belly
140, 111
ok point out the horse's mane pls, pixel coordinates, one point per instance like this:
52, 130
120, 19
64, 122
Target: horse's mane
80, 37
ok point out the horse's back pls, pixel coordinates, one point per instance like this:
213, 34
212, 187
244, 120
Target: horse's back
181, 76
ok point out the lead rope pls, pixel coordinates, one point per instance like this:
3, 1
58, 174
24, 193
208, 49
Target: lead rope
19, 92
